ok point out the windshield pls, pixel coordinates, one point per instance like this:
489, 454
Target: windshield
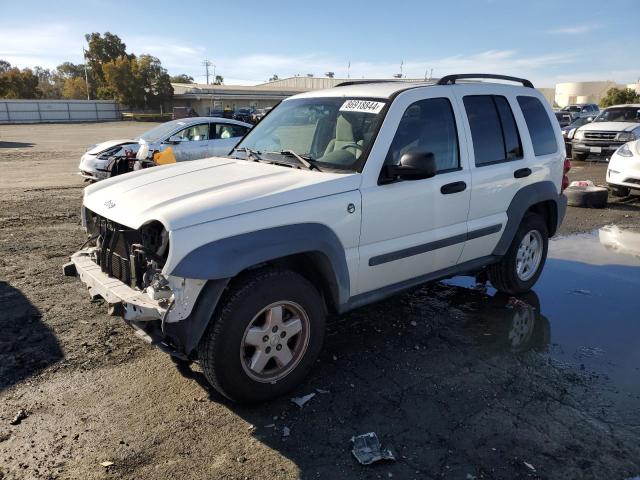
161, 132
334, 132
620, 114
571, 108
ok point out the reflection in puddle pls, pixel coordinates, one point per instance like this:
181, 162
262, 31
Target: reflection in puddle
588, 298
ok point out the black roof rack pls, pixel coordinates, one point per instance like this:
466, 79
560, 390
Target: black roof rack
451, 79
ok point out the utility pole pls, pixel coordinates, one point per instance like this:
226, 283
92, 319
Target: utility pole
206, 64
86, 75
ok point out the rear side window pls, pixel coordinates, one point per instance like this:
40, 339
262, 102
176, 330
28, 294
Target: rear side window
493, 129
427, 126
539, 125
226, 130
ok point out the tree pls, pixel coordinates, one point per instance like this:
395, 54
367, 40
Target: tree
274, 78
70, 70
182, 78
4, 66
75, 88
102, 50
16, 83
219, 80
120, 81
619, 96
154, 82
50, 85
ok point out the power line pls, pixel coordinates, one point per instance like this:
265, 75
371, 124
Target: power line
206, 64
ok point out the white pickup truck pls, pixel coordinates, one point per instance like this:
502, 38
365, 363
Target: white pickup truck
336, 199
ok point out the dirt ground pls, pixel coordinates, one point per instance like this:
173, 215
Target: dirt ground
432, 371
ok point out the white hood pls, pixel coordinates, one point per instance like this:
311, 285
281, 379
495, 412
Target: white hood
183, 194
610, 126
101, 147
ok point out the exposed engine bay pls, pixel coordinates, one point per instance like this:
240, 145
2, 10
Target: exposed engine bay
135, 257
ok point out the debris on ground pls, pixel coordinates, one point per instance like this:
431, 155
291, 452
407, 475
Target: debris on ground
367, 449
21, 415
582, 183
300, 401
106, 464
286, 431
529, 466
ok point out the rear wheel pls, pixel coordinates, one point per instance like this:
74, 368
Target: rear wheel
265, 336
521, 266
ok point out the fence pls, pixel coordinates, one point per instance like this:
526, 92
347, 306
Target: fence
43, 111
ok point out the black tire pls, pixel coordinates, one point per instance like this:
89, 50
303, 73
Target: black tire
587, 197
579, 156
620, 191
503, 275
220, 348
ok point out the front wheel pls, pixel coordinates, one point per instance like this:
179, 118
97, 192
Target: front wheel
265, 336
521, 266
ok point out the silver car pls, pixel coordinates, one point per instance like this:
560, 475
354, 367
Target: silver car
174, 141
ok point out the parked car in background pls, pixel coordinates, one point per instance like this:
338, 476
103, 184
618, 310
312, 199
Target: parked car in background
569, 130
174, 141
337, 199
577, 110
614, 126
623, 171
183, 112
244, 114
564, 118
259, 113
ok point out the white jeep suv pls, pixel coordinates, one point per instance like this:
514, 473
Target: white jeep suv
336, 199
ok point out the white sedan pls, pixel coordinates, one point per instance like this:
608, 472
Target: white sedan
174, 141
623, 172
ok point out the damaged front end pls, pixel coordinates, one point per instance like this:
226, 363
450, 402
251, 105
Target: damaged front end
124, 267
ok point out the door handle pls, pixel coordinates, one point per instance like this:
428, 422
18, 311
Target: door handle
522, 172
454, 187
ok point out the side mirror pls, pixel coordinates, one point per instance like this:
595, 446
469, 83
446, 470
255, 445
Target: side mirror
413, 166
175, 139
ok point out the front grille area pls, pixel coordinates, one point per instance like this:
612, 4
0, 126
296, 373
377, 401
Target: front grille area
632, 180
117, 257
600, 135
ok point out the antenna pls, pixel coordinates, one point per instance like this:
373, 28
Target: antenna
206, 64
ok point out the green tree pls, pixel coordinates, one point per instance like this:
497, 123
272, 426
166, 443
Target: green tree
182, 78
154, 82
219, 80
120, 81
16, 83
619, 96
50, 85
102, 49
75, 88
70, 70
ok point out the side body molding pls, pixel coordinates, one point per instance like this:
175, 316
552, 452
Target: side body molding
520, 203
227, 257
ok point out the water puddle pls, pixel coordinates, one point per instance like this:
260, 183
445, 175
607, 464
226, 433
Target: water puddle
586, 306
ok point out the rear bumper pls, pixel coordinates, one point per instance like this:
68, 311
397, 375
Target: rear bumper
138, 306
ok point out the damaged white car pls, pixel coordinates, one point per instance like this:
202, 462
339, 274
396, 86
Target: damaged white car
175, 141
336, 199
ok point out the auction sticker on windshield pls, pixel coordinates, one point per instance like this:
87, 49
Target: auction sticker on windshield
364, 106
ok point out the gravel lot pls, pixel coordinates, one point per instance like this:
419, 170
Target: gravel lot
435, 372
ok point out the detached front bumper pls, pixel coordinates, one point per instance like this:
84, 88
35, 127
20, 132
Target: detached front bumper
138, 306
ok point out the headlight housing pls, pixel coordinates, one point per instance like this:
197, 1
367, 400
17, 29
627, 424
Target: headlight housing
626, 136
579, 135
624, 151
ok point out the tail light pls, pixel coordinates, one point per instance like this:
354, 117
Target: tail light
565, 178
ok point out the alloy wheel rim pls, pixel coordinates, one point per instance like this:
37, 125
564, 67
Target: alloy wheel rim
275, 341
529, 255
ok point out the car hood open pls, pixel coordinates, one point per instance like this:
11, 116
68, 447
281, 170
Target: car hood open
184, 194
610, 126
101, 147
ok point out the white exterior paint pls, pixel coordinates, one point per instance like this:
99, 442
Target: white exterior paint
624, 171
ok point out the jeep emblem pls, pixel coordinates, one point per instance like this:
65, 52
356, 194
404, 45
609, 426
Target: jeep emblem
109, 204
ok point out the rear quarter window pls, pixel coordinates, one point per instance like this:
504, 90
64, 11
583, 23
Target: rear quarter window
540, 128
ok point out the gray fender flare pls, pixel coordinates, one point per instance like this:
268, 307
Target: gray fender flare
521, 202
227, 257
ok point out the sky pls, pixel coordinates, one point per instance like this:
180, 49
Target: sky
547, 41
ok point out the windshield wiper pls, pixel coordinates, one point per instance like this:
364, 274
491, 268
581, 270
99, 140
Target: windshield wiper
307, 162
252, 155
